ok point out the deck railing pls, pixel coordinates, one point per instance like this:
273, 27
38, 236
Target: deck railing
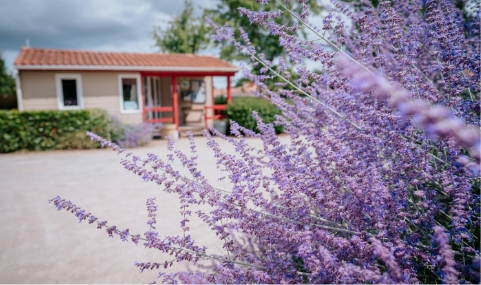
217, 109
217, 113
159, 109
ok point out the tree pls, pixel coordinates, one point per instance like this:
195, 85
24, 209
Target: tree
7, 82
184, 34
227, 12
7, 87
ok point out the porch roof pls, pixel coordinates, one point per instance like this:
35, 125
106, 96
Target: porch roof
55, 59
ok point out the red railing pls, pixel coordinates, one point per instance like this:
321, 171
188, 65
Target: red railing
159, 109
217, 113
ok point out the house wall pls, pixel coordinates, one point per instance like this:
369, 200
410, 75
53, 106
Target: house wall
38, 90
100, 90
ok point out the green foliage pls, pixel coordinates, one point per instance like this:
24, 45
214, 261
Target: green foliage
8, 98
48, 130
7, 82
220, 100
184, 34
240, 111
117, 129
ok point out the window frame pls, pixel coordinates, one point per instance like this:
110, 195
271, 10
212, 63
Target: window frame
78, 82
139, 93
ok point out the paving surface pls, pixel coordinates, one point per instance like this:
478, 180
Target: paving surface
41, 245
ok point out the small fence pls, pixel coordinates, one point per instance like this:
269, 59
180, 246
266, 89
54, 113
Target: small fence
217, 113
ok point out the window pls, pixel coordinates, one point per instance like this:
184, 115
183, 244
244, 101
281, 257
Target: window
193, 91
129, 87
69, 91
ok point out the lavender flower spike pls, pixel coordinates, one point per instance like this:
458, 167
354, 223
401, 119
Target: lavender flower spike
446, 256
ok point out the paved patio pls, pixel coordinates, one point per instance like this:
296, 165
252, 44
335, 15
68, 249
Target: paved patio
41, 245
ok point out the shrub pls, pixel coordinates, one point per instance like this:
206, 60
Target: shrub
136, 135
116, 127
380, 180
241, 108
220, 100
48, 130
128, 135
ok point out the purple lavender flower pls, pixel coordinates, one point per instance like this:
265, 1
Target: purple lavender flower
446, 256
384, 149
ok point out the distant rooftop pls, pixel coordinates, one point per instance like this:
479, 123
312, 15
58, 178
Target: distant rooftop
39, 58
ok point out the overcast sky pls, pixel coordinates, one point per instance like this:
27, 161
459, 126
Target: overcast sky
98, 25
106, 25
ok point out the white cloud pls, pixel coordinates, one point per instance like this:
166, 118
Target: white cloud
107, 25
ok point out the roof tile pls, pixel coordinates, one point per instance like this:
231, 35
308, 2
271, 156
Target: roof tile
52, 57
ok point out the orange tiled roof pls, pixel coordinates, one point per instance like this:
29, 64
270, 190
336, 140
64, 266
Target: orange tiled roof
39, 57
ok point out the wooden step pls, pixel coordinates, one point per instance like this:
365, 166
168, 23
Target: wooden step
196, 130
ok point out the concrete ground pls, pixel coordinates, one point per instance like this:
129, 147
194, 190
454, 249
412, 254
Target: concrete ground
41, 245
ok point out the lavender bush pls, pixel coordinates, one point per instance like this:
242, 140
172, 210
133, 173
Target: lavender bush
129, 136
380, 183
136, 135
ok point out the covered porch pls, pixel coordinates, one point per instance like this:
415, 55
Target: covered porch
184, 99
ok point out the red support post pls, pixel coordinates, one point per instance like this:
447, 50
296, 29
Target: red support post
143, 96
213, 89
174, 99
229, 93
207, 110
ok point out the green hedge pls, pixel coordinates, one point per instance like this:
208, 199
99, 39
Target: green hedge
47, 130
240, 111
